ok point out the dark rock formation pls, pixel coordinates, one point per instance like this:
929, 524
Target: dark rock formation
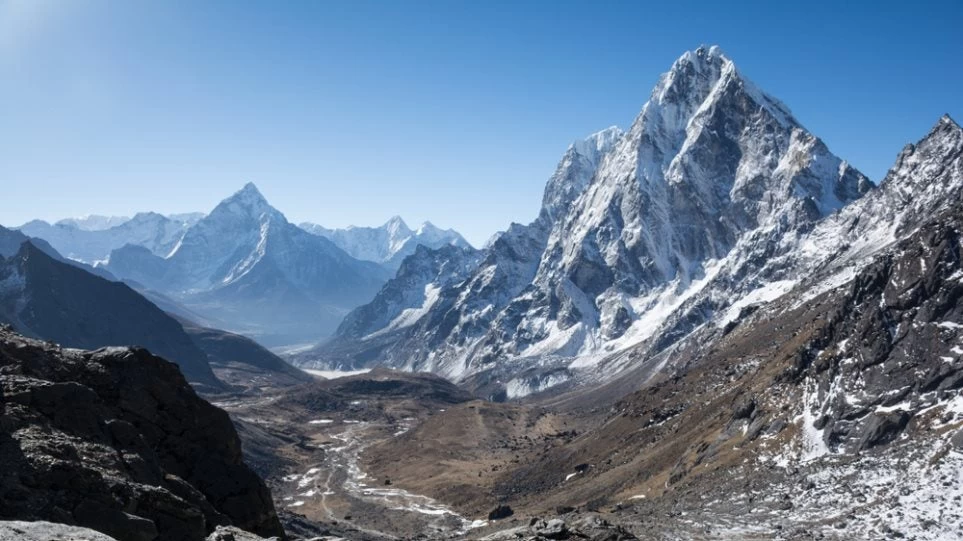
500, 512
117, 441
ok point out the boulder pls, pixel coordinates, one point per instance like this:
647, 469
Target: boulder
882, 428
500, 512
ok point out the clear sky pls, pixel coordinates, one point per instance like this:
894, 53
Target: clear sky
450, 111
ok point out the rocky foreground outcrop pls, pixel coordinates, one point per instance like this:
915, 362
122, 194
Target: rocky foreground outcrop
117, 441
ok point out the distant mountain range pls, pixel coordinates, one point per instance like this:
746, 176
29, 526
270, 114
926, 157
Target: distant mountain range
92, 239
244, 267
46, 296
389, 244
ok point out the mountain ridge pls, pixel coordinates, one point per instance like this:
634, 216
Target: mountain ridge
389, 243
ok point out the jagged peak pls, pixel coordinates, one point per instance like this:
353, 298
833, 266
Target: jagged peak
946, 122
696, 82
247, 202
248, 196
945, 133
396, 224
702, 59
697, 70
910, 173
250, 187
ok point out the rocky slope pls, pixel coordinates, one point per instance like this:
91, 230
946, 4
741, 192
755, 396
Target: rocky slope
389, 244
242, 362
117, 441
56, 301
246, 265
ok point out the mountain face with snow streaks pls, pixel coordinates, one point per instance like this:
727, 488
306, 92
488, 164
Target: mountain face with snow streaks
716, 201
470, 302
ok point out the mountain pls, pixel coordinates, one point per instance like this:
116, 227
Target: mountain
835, 414
246, 265
389, 244
417, 288
91, 241
242, 362
811, 388
49, 299
472, 297
634, 224
11, 240
117, 441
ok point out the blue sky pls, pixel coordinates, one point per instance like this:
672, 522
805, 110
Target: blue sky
449, 111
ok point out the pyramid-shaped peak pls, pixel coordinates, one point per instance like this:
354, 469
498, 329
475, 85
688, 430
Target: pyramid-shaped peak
250, 189
396, 224
248, 201
947, 122
946, 132
428, 226
249, 193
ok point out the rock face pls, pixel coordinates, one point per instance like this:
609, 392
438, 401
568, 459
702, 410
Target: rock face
49, 299
422, 282
246, 265
116, 440
389, 244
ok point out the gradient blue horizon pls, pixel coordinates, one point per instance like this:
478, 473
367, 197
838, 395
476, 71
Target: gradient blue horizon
454, 112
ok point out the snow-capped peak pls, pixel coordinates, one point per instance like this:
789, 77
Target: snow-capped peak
396, 226
918, 164
246, 202
698, 83
947, 120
